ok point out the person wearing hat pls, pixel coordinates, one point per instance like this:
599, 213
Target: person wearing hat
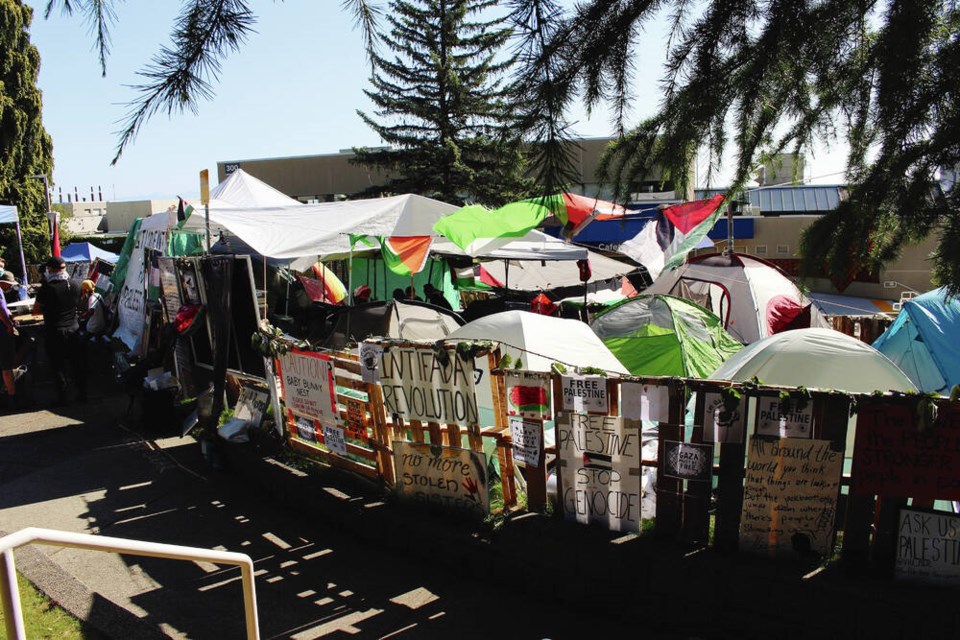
8, 339
57, 299
93, 311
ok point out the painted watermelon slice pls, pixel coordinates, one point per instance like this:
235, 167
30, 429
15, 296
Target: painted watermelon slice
528, 399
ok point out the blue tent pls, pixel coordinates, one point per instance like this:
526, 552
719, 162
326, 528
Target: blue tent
923, 341
86, 252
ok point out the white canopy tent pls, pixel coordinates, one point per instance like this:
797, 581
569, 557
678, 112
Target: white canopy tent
241, 189
9, 215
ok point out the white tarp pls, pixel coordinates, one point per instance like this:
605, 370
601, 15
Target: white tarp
526, 275
535, 245
240, 189
323, 229
8, 214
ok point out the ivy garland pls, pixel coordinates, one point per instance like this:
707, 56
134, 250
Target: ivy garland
731, 397
801, 397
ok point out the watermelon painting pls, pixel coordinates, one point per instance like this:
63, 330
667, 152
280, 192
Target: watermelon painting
528, 395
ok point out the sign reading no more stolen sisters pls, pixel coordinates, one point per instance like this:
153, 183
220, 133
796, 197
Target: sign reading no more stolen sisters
448, 477
420, 384
600, 458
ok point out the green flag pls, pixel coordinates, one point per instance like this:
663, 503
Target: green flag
478, 230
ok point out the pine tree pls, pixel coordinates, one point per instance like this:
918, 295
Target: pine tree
441, 105
25, 147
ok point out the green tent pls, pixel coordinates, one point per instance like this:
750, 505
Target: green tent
659, 335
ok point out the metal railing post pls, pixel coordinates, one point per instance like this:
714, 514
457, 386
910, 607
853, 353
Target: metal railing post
10, 597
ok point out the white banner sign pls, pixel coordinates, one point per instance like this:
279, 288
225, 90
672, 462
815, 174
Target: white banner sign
776, 419
527, 440
928, 547
644, 401
419, 385
586, 394
455, 479
370, 356
333, 438
131, 299
308, 388
600, 474
722, 424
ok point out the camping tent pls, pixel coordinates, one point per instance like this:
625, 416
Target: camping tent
664, 336
752, 297
86, 252
815, 358
923, 341
539, 341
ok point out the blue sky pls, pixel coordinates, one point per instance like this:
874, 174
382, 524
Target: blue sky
292, 90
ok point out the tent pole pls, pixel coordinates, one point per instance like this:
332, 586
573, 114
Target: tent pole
264, 288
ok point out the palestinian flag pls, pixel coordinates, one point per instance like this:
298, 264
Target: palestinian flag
478, 230
405, 255
593, 460
184, 210
664, 242
576, 211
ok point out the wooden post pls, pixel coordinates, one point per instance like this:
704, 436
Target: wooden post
669, 490
696, 498
726, 531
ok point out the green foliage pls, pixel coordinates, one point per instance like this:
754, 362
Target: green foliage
42, 618
25, 147
441, 106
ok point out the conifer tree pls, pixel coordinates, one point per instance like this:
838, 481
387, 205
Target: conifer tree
25, 147
440, 105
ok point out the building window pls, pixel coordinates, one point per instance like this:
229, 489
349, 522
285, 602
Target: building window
783, 249
760, 250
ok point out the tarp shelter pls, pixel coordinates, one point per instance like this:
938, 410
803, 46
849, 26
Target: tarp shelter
924, 341
539, 341
752, 297
815, 358
86, 252
9, 215
240, 189
534, 275
664, 336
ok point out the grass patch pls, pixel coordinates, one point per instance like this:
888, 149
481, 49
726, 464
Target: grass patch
42, 618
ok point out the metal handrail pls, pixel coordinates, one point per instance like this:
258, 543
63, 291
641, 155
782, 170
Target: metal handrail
10, 595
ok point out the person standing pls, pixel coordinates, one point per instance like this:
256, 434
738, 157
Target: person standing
8, 340
93, 311
57, 299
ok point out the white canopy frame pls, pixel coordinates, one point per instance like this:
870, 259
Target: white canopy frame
9, 215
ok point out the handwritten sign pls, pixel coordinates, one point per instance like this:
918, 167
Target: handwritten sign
686, 461
307, 379
528, 394
774, 418
451, 478
722, 424
599, 457
584, 393
419, 385
790, 496
303, 428
251, 405
527, 438
356, 419
891, 457
370, 357
644, 401
333, 438
928, 547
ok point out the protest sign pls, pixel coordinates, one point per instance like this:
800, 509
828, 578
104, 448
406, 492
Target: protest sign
928, 546
686, 461
782, 420
528, 394
452, 478
303, 428
640, 401
600, 459
308, 389
333, 439
251, 405
790, 496
527, 439
720, 423
586, 394
419, 384
356, 419
370, 356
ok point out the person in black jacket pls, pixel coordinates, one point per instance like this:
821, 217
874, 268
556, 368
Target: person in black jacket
58, 300
435, 297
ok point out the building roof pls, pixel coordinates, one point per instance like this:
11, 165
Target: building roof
788, 199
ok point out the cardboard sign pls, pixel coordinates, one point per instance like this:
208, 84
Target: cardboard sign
370, 357
303, 428
928, 547
686, 461
772, 420
308, 387
251, 405
528, 394
891, 457
452, 478
790, 496
333, 439
719, 423
356, 419
586, 394
644, 401
418, 385
599, 460
527, 438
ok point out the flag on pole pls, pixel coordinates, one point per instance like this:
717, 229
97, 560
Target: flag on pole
405, 255
478, 230
665, 241
575, 211
184, 210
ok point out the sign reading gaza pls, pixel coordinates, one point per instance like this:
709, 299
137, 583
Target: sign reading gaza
419, 385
